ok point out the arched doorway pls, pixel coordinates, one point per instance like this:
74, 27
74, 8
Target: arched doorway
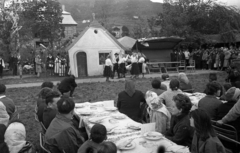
82, 64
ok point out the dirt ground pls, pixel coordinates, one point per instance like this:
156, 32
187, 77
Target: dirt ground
24, 98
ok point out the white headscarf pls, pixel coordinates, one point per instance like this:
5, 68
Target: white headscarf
182, 77
15, 137
4, 117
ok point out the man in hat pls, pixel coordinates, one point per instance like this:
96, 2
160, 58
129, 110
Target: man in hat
115, 65
9, 104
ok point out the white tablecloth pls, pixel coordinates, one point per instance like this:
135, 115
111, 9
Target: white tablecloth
121, 132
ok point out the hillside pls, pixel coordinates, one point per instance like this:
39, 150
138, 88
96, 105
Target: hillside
112, 12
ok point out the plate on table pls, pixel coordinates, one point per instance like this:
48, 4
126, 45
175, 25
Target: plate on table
110, 108
126, 145
119, 116
153, 135
134, 126
79, 105
96, 119
86, 113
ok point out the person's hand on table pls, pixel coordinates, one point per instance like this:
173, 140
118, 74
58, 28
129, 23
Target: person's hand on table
220, 122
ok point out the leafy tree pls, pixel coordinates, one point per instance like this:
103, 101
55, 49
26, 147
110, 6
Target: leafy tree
125, 31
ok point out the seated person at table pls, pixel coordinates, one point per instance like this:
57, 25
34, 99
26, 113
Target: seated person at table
158, 112
67, 85
210, 103
227, 86
156, 86
9, 104
50, 111
107, 147
47, 84
165, 83
61, 134
167, 96
97, 136
185, 85
180, 130
129, 101
41, 102
205, 139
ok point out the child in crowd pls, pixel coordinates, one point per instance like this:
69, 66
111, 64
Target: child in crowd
158, 112
97, 136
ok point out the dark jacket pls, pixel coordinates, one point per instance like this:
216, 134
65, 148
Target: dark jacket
67, 84
211, 145
210, 105
41, 105
130, 105
62, 135
9, 104
48, 115
180, 130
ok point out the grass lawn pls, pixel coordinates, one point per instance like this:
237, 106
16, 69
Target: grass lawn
87, 92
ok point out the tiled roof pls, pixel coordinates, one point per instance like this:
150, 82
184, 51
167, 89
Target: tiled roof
67, 19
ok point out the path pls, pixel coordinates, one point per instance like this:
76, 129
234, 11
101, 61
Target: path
101, 79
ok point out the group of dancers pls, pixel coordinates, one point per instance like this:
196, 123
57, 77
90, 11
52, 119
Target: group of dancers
121, 63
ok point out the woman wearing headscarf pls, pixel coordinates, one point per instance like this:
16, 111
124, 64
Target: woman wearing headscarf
4, 117
185, 85
129, 101
15, 138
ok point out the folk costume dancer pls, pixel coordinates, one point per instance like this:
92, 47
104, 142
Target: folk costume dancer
57, 63
2, 65
122, 65
50, 64
135, 67
115, 65
108, 68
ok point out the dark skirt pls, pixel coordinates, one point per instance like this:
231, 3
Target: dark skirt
107, 71
140, 67
135, 69
122, 68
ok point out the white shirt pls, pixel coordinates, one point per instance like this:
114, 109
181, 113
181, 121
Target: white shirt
108, 62
134, 59
141, 60
187, 54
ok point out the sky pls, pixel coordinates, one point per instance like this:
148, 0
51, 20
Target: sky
228, 2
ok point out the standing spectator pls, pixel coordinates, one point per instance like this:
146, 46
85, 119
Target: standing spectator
50, 64
135, 68
122, 65
204, 59
62, 135
14, 64
9, 104
217, 60
38, 62
140, 64
205, 139
57, 64
62, 66
221, 56
187, 57
67, 85
227, 55
20, 69
2, 65
129, 101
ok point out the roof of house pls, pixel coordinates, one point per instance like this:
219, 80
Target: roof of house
95, 24
127, 42
68, 19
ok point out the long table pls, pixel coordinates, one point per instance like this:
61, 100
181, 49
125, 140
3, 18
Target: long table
121, 132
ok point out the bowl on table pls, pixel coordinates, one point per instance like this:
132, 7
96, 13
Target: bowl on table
134, 126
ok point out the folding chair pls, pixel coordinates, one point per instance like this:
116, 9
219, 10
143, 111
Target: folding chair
42, 143
228, 136
191, 66
182, 66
